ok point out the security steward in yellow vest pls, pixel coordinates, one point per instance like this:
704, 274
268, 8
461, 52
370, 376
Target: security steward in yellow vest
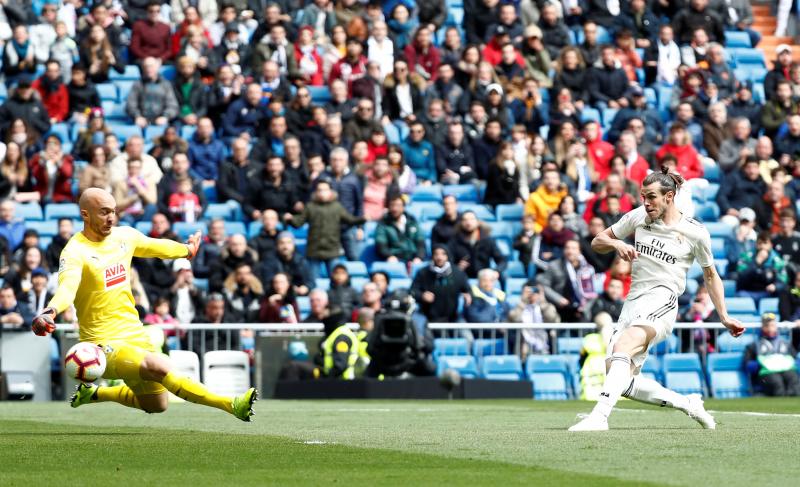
339, 348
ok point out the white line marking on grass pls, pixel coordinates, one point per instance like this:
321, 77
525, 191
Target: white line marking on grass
742, 413
315, 442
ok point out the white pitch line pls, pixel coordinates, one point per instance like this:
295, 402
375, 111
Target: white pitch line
742, 413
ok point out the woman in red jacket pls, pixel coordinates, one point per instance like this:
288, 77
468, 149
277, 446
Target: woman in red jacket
52, 172
680, 146
422, 56
53, 92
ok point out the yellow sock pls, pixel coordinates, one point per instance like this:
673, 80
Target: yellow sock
119, 394
195, 392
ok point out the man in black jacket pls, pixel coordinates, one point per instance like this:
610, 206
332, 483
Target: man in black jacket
741, 189
698, 15
609, 301
53, 252
23, 104
445, 228
266, 241
273, 191
455, 162
437, 287
286, 259
236, 173
234, 253
607, 81
641, 21
474, 249
555, 35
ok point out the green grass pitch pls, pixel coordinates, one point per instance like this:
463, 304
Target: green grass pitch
375, 443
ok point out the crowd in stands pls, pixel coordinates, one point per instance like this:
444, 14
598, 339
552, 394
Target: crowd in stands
333, 151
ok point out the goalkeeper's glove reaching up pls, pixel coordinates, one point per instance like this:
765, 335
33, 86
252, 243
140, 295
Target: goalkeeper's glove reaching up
45, 322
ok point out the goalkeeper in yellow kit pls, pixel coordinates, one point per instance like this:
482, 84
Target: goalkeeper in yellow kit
94, 274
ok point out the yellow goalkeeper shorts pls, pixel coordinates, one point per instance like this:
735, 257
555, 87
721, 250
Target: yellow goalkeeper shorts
123, 361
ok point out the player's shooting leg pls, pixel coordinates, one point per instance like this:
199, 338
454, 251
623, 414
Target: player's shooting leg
119, 394
158, 368
634, 340
648, 391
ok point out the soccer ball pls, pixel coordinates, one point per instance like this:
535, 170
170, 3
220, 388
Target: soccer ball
85, 362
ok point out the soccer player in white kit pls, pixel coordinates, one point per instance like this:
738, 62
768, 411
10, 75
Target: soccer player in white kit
666, 244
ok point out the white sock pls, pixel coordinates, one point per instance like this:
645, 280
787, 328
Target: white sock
647, 390
618, 379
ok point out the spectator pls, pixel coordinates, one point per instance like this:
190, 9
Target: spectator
626, 54
486, 147
537, 61
13, 315
641, 22
662, 58
735, 149
211, 250
22, 104
446, 226
185, 298
590, 47
637, 108
533, 308
16, 182
636, 167
94, 134
244, 115
789, 301
422, 56
568, 289
679, 144
502, 183
761, 272
362, 124
770, 206
161, 314
420, 154
545, 199
287, 260
234, 253
53, 170
53, 252
352, 66
455, 162
742, 189
279, 304
215, 312
341, 293
488, 303
555, 34
167, 145
778, 108
720, 73
152, 99
697, 14
350, 194
571, 73
609, 301
206, 153
134, 151
607, 82
702, 308
787, 146
100, 55
151, 37
779, 72
404, 91
772, 359
169, 183
190, 92
53, 92
397, 237
265, 242
325, 216
599, 151
275, 191
37, 298
19, 56
96, 174
243, 292
786, 240
136, 196
226, 88
184, 205
766, 162
438, 287
473, 248
82, 95
378, 183
435, 122
318, 304
235, 173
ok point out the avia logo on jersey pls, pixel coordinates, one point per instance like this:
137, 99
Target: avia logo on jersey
115, 275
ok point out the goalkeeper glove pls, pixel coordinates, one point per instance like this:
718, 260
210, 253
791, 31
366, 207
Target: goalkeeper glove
44, 323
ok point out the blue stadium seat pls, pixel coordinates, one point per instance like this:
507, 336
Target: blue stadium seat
217, 210
235, 228
730, 287
322, 283
124, 88
683, 373
450, 346
590, 114
114, 111
319, 94
514, 285
29, 211
299, 232
550, 376
432, 212
54, 211
652, 369
415, 267
516, 269
509, 213
392, 134
369, 254
719, 229
144, 227
356, 268
62, 130
254, 229
125, 131
768, 305
153, 131
44, 242
712, 173
464, 365
168, 72
489, 346
710, 191
569, 345
201, 283
737, 39
394, 269
608, 115
718, 248
747, 318
669, 345
727, 343
462, 192
46, 228
747, 56
357, 283
726, 376
107, 92
403, 283
502, 229
131, 73
574, 366
741, 305
304, 306
501, 367
187, 131
427, 193
481, 211
707, 212
186, 229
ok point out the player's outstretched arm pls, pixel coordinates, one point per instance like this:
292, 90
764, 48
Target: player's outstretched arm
606, 242
717, 293
166, 249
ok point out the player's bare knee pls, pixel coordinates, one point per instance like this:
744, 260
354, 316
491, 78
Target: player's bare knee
155, 367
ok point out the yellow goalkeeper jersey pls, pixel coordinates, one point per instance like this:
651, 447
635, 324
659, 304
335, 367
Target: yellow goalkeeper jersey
95, 276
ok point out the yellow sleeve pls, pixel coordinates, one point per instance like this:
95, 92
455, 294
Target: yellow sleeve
157, 247
70, 270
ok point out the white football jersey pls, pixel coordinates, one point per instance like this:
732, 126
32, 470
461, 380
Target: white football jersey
665, 252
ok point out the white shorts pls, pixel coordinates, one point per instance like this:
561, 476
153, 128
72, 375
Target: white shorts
656, 308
